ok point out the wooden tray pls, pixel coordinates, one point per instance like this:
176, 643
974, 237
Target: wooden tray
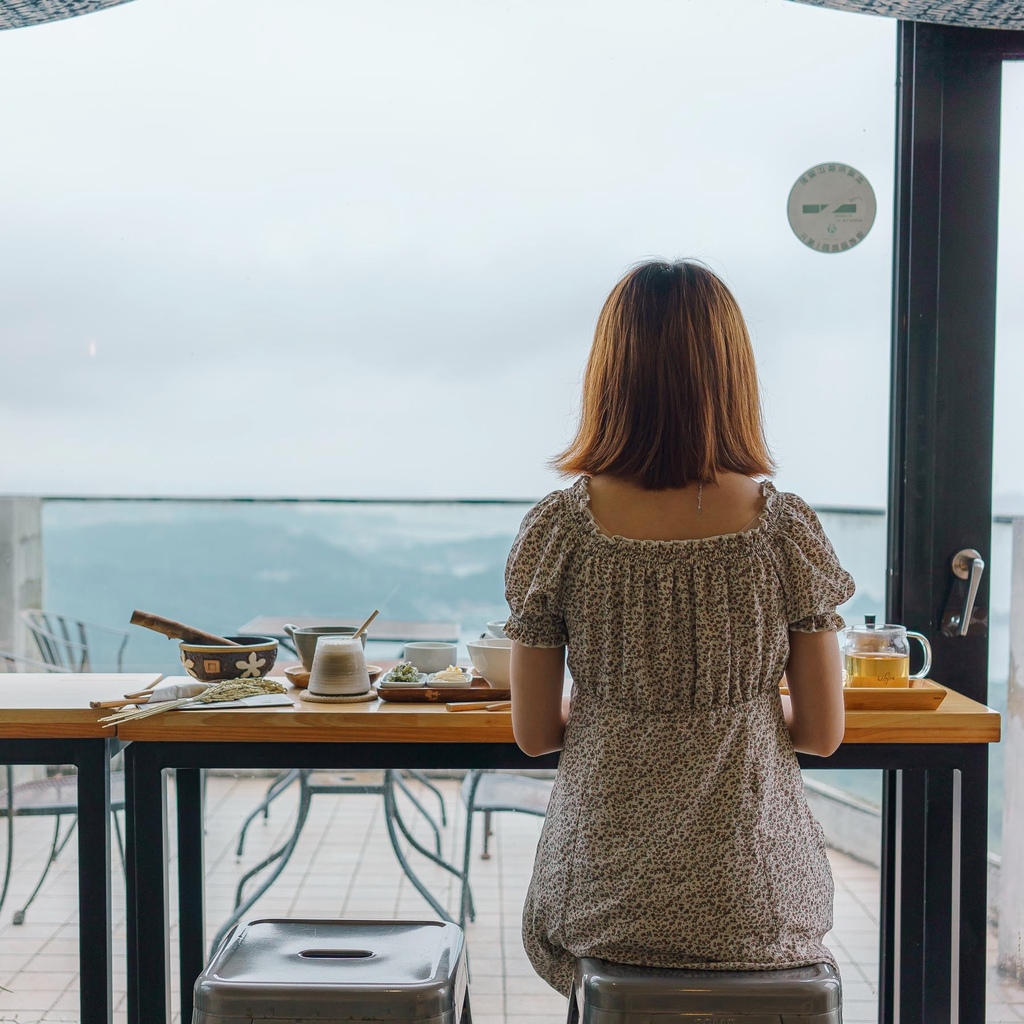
920, 695
299, 676
443, 694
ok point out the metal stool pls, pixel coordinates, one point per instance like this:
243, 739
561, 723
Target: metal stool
607, 993
335, 971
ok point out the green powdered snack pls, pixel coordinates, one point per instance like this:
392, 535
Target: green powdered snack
404, 673
235, 689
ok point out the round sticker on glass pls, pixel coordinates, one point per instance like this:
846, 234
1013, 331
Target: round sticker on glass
831, 207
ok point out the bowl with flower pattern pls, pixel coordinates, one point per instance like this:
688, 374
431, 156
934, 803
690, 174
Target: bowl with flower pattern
253, 658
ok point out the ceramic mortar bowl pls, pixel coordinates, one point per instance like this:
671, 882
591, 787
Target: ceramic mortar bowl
491, 657
252, 659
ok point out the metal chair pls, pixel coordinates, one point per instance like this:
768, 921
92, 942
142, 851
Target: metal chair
485, 791
492, 792
488, 792
55, 796
284, 779
313, 783
70, 644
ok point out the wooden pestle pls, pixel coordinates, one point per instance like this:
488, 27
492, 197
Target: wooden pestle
178, 630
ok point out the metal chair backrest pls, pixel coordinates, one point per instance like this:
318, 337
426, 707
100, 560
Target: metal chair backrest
16, 663
64, 642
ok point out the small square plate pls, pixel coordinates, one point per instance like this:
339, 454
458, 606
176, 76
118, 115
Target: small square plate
386, 681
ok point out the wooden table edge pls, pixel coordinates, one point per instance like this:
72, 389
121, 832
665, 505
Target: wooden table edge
963, 721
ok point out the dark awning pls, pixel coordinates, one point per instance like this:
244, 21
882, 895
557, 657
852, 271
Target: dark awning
968, 13
22, 13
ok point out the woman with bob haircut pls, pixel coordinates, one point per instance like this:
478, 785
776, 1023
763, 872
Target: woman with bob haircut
683, 586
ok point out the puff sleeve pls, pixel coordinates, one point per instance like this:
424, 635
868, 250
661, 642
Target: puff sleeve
813, 582
534, 573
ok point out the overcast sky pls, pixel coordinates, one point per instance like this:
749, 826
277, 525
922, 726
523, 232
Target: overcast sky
318, 247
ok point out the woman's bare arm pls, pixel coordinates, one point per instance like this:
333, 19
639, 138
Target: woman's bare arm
815, 715
538, 711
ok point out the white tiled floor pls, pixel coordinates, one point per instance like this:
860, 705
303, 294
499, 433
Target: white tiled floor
344, 867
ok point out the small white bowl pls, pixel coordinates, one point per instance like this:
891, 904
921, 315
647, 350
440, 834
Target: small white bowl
491, 657
496, 627
429, 656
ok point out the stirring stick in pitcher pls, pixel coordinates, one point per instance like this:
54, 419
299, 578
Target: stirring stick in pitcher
362, 629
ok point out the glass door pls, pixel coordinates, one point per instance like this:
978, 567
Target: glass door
944, 381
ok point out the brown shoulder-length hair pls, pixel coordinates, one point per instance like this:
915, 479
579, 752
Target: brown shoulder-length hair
670, 392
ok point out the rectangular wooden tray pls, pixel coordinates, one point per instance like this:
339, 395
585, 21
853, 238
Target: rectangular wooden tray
920, 695
442, 694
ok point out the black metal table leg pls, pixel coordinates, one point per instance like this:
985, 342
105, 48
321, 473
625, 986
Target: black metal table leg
934, 906
191, 889
888, 907
937, 965
910, 895
149, 989
973, 883
95, 921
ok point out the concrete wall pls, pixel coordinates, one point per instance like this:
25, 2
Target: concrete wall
851, 826
21, 568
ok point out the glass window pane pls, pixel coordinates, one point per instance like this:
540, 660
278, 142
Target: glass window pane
359, 249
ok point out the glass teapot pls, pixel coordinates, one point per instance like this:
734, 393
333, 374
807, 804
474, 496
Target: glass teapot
879, 656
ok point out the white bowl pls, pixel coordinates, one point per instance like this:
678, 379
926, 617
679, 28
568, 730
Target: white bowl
491, 657
496, 627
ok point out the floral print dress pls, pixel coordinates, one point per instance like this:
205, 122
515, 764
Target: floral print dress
678, 833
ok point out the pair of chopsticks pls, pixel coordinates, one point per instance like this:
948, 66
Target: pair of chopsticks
146, 711
480, 705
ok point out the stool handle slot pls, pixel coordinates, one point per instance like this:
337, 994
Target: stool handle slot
336, 954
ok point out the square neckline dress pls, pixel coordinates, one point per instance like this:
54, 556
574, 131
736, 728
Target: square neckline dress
678, 833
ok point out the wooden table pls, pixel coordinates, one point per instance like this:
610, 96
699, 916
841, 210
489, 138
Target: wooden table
45, 718
937, 865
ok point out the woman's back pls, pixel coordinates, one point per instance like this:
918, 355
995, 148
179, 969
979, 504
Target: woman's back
677, 834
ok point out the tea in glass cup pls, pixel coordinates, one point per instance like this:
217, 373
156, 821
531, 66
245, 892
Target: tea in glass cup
877, 669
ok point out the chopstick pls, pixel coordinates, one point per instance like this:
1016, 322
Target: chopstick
480, 705
142, 693
140, 699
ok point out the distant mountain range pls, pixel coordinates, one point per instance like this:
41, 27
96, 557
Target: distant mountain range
218, 572
218, 565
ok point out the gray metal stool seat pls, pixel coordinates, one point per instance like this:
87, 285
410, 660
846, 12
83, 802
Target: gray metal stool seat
606, 993
402, 972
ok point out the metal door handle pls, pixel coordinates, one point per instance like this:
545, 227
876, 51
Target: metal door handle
967, 565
